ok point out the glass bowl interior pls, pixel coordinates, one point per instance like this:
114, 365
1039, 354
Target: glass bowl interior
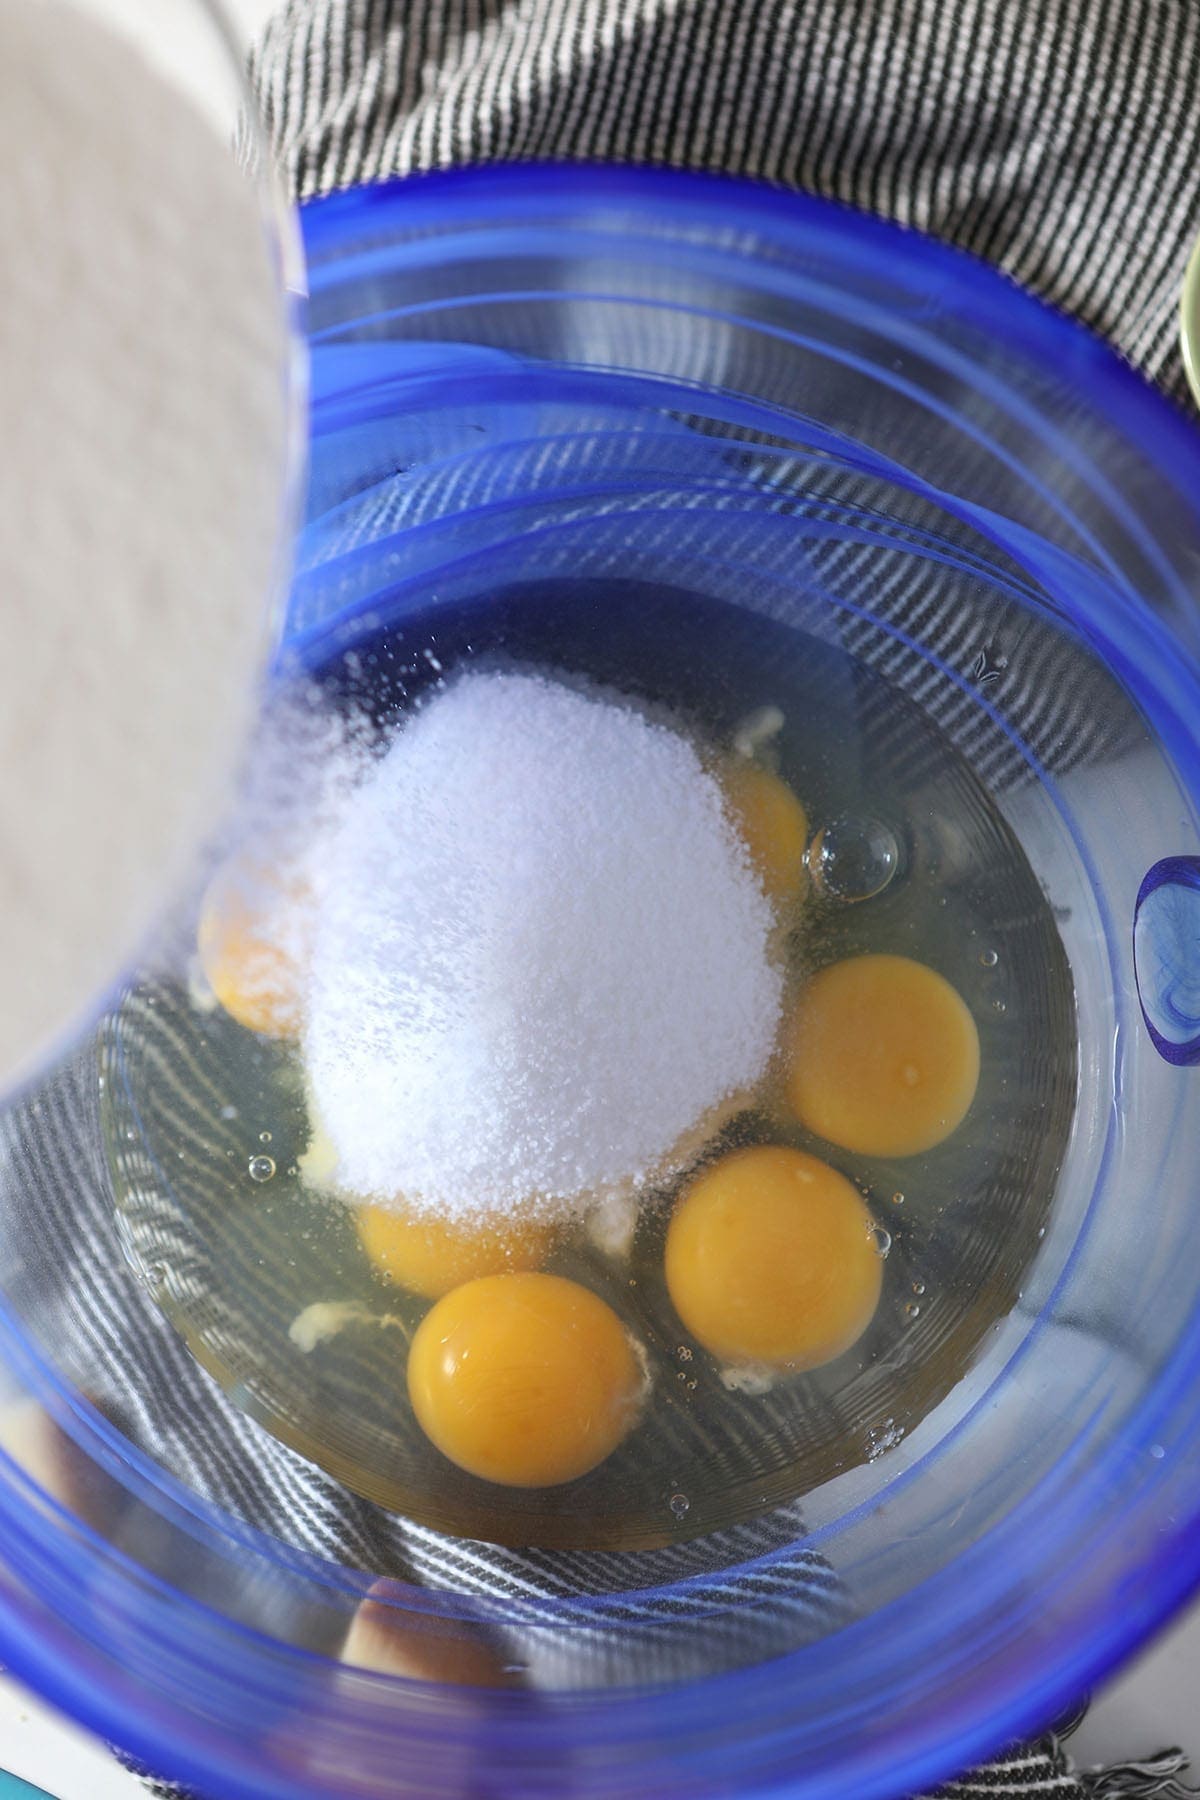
566, 411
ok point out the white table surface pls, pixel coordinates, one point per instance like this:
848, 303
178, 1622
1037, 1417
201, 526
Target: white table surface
1154, 1704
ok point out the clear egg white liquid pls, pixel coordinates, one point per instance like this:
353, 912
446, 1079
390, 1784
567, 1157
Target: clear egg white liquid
206, 1124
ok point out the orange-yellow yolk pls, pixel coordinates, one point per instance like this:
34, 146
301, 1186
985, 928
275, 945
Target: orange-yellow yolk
429, 1256
771, 1258
526, 1380
249, 943
772, 824
884, 1056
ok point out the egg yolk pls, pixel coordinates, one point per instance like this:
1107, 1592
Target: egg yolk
884, 1056
771, 1258
249, 944
527, 1380
771, 823
429, 1256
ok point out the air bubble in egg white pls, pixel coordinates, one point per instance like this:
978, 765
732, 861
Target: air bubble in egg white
853, 859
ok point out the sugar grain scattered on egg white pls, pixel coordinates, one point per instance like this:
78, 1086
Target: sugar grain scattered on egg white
540, 957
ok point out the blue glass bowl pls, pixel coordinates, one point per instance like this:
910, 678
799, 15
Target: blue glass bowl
580, 372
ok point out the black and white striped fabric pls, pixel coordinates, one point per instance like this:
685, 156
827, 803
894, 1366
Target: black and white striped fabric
1060, 139
1056, 139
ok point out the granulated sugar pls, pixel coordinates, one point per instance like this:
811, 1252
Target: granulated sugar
541, 959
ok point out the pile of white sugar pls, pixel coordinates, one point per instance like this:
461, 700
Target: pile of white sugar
541, 958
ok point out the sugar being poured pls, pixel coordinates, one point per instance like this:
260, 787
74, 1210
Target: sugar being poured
142, 358
541, 959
